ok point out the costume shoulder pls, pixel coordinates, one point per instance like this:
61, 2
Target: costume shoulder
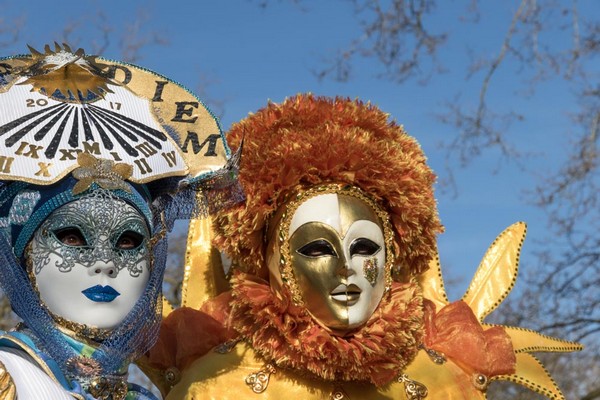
463, 354
21, 375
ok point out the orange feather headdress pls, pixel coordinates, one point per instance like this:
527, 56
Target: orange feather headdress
309, 140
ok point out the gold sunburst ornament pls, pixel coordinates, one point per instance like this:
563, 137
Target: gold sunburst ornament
70, 75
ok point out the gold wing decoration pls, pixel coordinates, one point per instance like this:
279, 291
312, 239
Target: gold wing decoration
8, 391
203, 276
492, 282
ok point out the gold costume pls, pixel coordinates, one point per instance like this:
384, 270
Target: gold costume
280, 338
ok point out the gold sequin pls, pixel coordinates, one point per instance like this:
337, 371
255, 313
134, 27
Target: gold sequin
370, 270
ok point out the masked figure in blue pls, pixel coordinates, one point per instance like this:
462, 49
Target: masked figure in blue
92, 176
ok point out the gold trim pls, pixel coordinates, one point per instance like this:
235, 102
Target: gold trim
527, 340
532, 374
68, 170
8, 390
285, 264
432, 283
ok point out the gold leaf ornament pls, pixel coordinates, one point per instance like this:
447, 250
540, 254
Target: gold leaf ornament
105, 173
497, 272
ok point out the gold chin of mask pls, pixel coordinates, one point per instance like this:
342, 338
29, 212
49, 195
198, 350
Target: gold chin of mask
311, 263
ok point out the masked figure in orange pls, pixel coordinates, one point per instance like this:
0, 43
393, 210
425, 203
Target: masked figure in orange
335, 289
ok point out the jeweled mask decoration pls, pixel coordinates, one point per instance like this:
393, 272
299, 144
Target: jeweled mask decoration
91, 259
335, 248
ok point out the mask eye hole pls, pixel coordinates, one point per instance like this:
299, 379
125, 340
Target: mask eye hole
71, 236
317, 248
363, 247
129, 240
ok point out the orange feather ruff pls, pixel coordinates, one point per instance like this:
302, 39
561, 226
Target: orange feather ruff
288, 336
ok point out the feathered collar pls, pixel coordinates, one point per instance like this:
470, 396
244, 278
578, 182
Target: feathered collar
289, 337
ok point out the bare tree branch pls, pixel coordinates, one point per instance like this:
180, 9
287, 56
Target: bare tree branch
10, 31
396, 35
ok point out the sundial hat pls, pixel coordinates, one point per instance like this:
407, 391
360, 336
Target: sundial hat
72, 122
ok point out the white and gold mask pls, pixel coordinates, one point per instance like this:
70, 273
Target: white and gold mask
335, 256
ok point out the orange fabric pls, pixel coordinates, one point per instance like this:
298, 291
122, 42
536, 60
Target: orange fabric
288, 336
187, 334
456, 332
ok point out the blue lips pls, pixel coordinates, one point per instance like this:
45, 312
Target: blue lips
101, 294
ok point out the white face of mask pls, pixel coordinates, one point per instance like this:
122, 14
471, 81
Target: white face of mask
338, 257
91, 260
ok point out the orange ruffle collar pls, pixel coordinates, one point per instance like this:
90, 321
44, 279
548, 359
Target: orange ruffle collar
289, 337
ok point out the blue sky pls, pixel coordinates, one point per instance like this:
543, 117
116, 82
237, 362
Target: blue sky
251, 54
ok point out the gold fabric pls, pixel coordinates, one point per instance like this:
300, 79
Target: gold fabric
532, 374
433, 285
8, 391
491, 284
497, 272
222, 377
203, 275
443, 381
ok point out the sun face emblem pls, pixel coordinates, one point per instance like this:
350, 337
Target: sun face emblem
65, 75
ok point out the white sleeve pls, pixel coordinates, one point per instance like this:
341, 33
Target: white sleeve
31, 381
